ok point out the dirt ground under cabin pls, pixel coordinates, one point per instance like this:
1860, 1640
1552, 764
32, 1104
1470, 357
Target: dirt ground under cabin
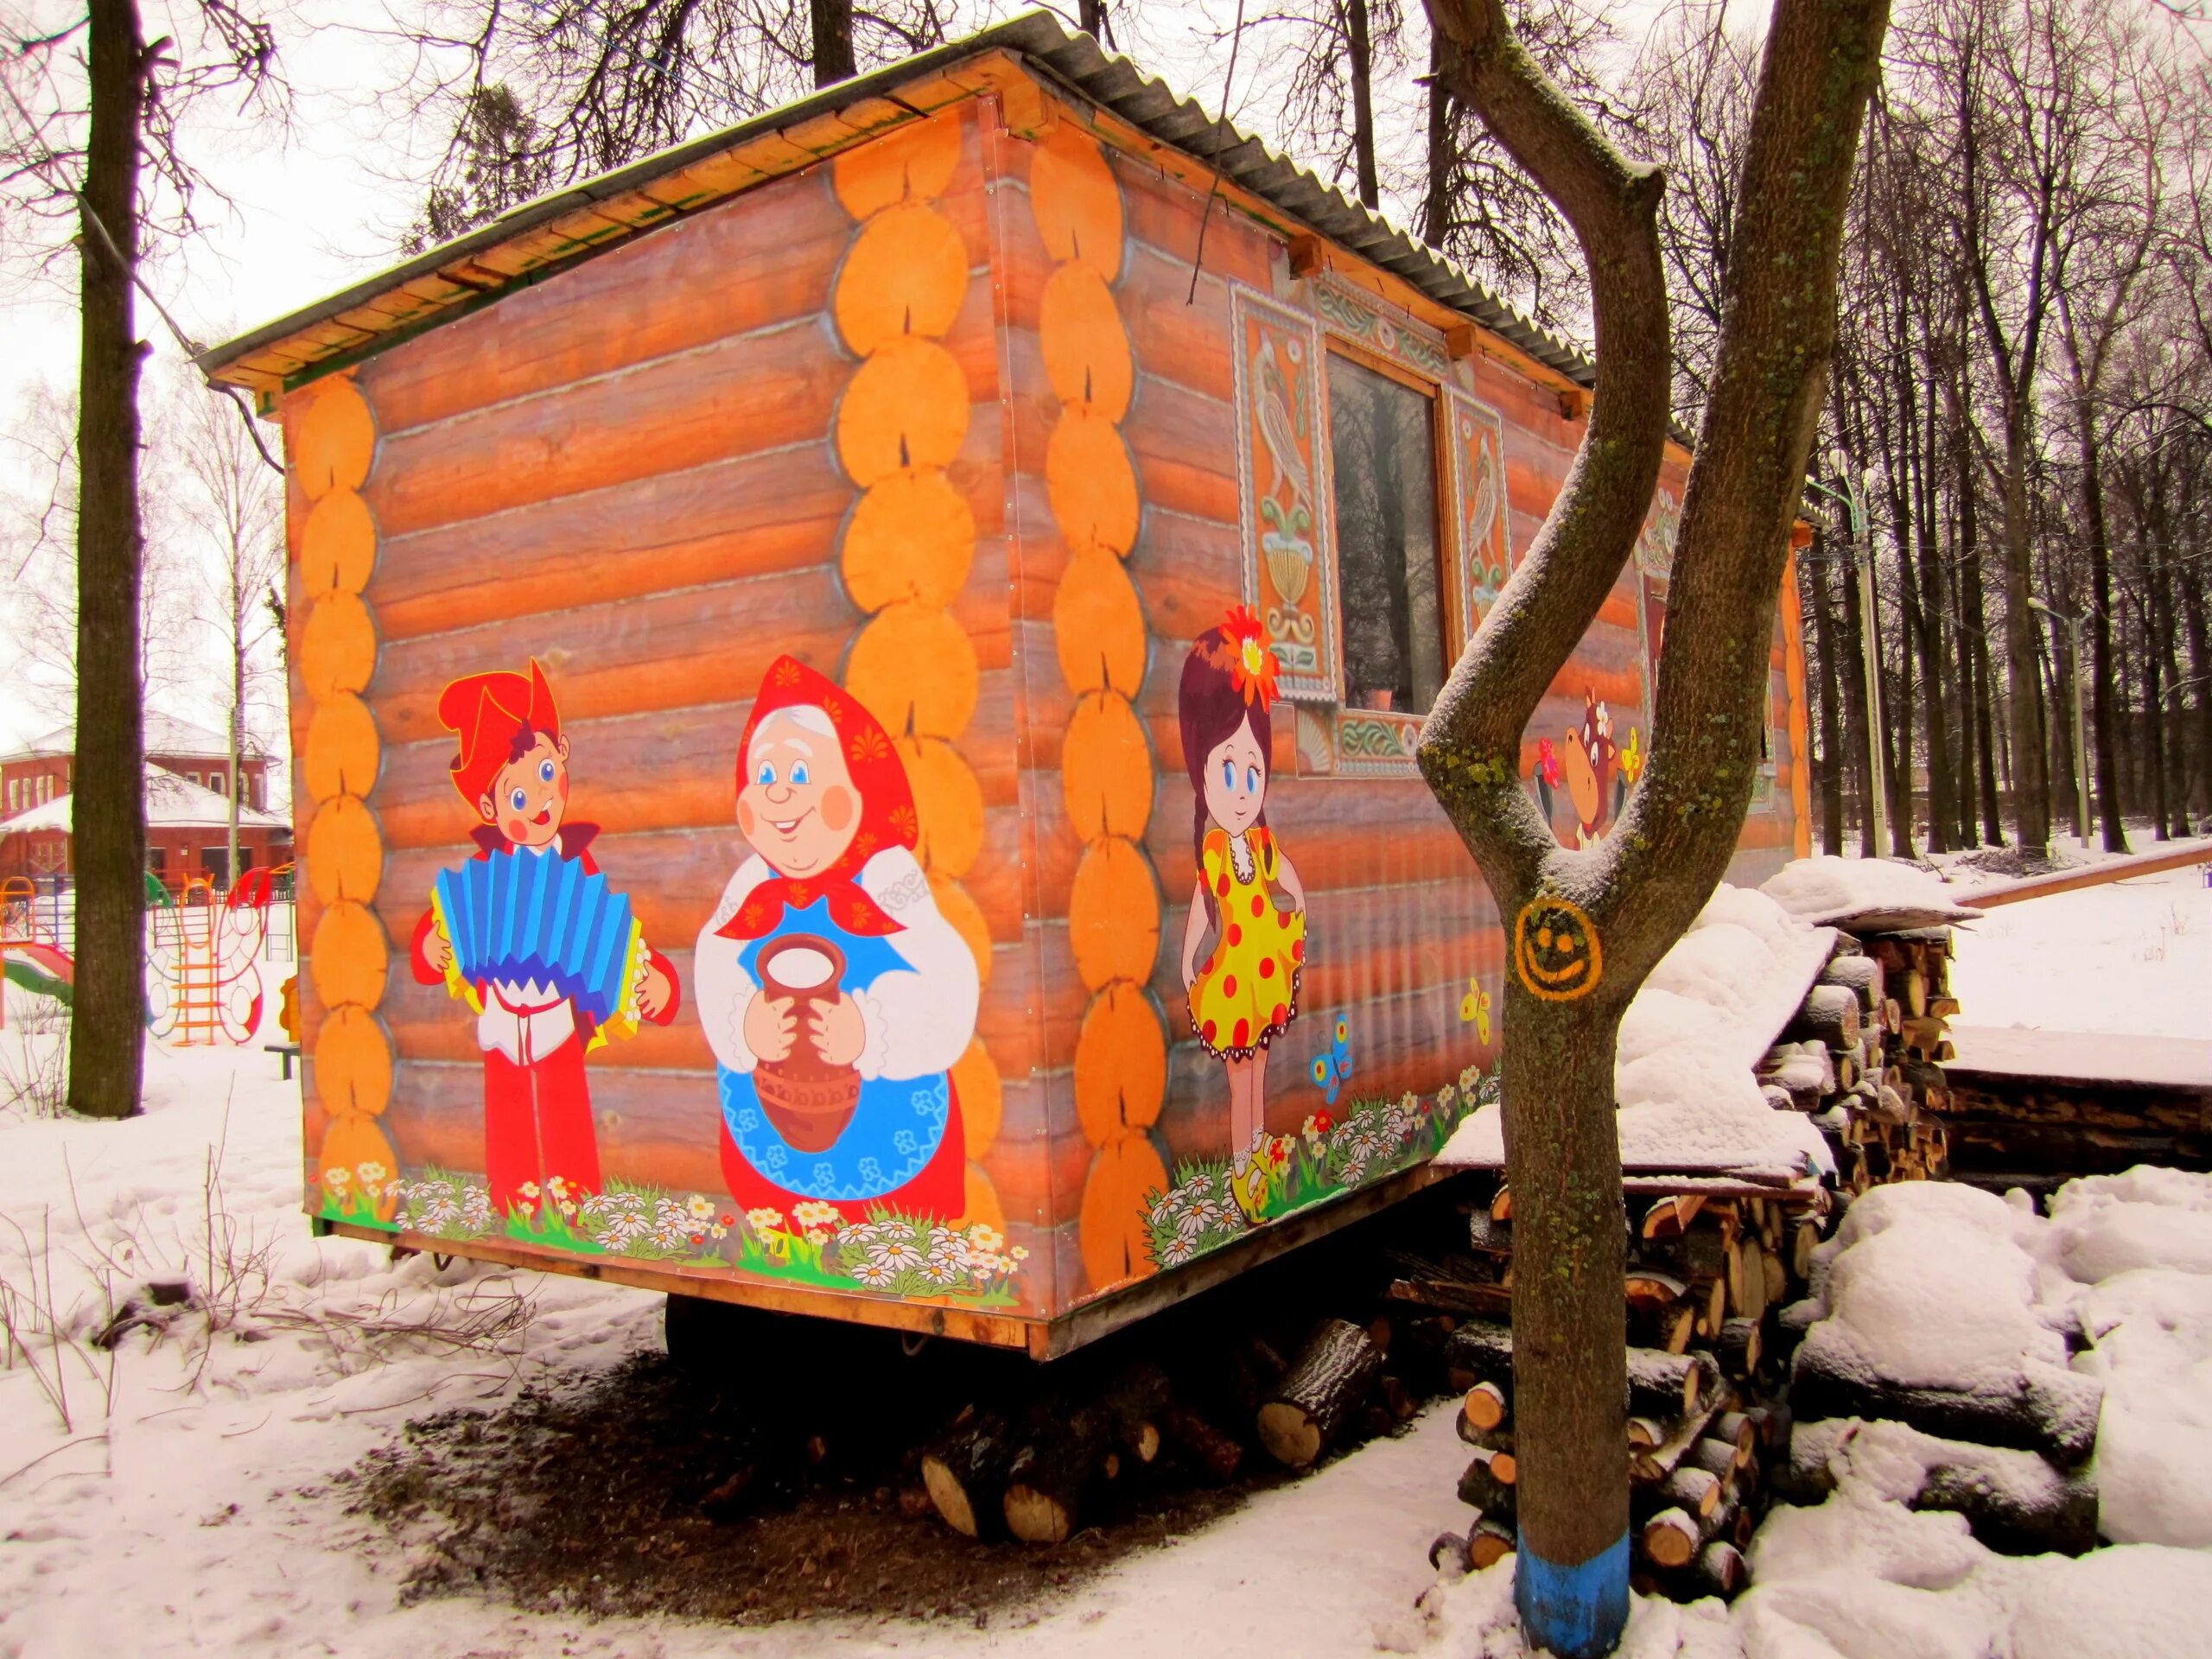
772, 1472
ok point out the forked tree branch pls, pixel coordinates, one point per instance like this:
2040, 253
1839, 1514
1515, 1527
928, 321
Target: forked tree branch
1471, 747
1778, 300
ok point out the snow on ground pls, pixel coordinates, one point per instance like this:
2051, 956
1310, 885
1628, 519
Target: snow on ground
188, 1514
2130, 959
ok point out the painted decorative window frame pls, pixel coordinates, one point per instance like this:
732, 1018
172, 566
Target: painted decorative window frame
1286, 564
1474, 518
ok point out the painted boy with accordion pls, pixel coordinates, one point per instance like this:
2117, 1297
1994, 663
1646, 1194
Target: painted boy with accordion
530, 935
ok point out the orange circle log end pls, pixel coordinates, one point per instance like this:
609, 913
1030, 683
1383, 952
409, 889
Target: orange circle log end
345, 854
335, 439
1114, 914
1114, 1233
1121, 1063
912, 536
349, 956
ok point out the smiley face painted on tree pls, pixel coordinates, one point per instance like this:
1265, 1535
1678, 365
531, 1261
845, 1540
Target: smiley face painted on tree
1555, 951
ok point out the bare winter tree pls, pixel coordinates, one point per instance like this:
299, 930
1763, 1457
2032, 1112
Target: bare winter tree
1620, 907
91, 137
536, 95
233, 507
38, 554
1479, 209
1330, 53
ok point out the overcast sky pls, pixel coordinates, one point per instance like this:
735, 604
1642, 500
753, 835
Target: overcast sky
296, 210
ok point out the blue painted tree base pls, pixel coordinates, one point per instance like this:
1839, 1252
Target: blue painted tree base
1575, 1612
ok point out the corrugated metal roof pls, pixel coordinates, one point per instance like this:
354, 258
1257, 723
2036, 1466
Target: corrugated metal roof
1077, 62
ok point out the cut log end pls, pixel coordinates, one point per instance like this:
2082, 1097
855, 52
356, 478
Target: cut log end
1670, 1539
1036, 1517
1486, 1405
1290, 1435
950, 1499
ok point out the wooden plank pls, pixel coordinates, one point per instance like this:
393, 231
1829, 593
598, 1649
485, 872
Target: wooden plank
1114, 1309
2093, 875
993, 1330
692, 648
722, 274
737, 395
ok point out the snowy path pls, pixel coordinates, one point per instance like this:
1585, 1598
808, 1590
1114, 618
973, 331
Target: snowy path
2133, 958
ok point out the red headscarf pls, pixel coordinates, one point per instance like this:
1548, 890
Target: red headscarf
489, 712
888, 815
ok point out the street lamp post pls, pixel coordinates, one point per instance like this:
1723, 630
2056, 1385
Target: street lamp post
2080, 755
1862, 558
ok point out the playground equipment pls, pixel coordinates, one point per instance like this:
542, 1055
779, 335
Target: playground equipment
31, 956
204, 986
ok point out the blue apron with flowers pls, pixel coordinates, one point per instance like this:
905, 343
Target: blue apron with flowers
896, 1128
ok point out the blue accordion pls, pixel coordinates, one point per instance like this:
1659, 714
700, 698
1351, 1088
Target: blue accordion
537, 919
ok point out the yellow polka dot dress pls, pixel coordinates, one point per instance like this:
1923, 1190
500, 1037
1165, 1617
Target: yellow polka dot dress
1246, 993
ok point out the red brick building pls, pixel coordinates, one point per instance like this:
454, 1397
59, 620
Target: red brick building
189, 779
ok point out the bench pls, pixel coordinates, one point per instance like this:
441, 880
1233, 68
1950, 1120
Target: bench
286, 1051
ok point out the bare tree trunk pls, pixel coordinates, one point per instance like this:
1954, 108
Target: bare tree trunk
833, 41
1361, 68
2031, 773
108, 821
2104, 739
1896, 729
1092, 19
1934, 727
1611, 912
2200, 668
1436, 203
1854, 703
1976, 618
1832, 755
1966, 701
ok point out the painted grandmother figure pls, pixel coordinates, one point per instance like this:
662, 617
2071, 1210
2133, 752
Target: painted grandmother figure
834, 993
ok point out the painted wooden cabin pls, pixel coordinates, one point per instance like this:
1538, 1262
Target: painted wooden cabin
883, 455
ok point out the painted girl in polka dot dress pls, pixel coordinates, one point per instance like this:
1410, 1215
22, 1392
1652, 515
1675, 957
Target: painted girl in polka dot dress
1245, 947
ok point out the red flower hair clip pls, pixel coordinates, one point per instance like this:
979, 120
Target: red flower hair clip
1252, 666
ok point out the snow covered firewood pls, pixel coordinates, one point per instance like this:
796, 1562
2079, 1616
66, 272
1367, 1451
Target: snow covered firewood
1329, 1381
2040, 1407
1481, 1489
1488, 1403
1670, 1539
1738, 1347
1491, 1543
1719, 1570
1830, 1015
2013, 1501
1667, 1385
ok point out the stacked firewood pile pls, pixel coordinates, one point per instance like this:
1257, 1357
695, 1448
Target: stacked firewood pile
1863, 1055
1710, 1264
1964, 1417
1248, 1388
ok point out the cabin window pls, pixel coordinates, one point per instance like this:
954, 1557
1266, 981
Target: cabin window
15, 795
215, 782
158, 861
217, 862
1382, 454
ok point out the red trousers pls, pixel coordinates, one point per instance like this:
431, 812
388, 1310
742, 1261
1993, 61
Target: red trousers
939, 1192
538, 1124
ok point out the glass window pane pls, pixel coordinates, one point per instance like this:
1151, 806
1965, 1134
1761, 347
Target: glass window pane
1383, 446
